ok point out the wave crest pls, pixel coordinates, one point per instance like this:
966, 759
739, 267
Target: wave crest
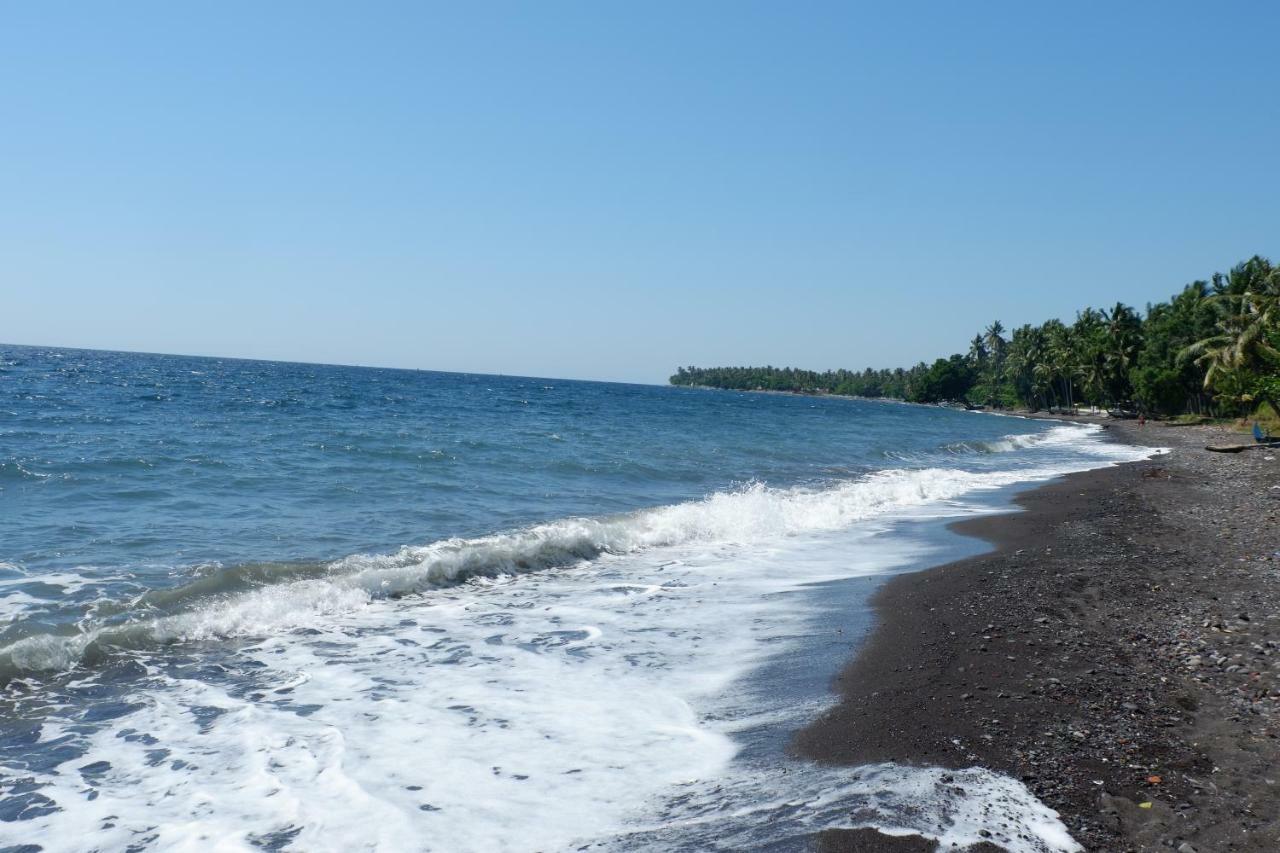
262, 599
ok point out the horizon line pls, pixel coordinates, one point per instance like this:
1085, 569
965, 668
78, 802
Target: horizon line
332, 364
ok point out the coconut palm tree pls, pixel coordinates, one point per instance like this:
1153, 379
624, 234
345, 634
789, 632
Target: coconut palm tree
1089, 345
996, 346
993, 338
1123, 344
1025, 353
1243, 341
978, 352
1060, 358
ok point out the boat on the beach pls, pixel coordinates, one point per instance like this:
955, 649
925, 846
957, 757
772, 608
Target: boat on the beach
1240, 448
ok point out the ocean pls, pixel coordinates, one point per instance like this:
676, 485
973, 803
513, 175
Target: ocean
253, 605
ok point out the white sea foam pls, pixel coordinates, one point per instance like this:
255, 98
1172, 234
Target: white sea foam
560, 709
599, 701
23, 595
1011, 443
753, 514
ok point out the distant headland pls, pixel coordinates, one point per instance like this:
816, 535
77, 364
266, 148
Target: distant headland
1211, 349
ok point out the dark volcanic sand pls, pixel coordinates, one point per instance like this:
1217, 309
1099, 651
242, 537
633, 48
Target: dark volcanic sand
1120, 646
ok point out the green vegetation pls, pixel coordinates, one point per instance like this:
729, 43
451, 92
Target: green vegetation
1211, 350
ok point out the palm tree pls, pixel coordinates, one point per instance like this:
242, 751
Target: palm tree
1123, 343
1026, 357
1060, 359
993, 337
993, 340
978, 352
1248, 303
1088, 338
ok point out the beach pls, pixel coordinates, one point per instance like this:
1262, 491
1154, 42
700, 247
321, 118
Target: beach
636, 428
1117, 651
511, 613
546, 615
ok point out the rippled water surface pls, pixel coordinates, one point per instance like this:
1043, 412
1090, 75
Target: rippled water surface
287, 606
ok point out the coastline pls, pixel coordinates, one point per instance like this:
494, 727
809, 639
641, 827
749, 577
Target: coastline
1117, 652
1078, 416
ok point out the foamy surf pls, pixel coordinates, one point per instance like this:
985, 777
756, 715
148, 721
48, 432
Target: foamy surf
555, 711
1009, 443
260, 600
584, 683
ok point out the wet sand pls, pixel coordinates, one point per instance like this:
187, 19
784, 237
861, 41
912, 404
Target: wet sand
1118, 651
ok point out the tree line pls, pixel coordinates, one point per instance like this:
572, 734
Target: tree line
1213, 348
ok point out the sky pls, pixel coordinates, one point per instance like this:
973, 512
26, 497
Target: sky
607, 191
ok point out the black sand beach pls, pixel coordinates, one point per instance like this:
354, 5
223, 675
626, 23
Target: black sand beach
1118, 651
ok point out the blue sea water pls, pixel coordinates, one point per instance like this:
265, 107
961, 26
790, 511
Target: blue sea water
291, 606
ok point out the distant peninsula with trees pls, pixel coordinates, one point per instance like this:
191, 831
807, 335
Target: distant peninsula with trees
1212, 349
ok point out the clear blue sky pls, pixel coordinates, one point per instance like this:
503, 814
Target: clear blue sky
601, 190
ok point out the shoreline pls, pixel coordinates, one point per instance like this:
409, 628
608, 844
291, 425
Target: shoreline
1116, 651
1078, 416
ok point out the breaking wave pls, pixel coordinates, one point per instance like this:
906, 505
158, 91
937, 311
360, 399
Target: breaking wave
265, 598
1011, 443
